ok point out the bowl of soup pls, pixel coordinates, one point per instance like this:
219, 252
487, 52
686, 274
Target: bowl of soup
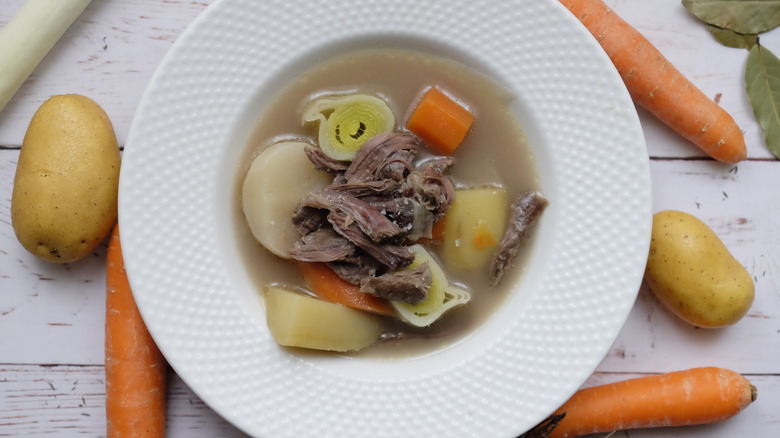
286, 159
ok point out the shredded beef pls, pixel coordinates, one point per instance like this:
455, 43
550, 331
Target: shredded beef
393, 256
525, 211
353, 210
431, 188
324, 162
409, 286
354, 269
375, 205
308, 220
384, 156
383, 188
323, 245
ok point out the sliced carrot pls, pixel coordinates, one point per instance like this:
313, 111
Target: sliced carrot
682, 398
437, 234
440, 121
327, 285
655, 84
437, 230
135, 368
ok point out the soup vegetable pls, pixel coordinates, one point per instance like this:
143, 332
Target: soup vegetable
364, 199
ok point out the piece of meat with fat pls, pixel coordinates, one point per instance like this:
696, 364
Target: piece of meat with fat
309, 219
371, 221
394, 256
323, 162
409, 286
430, 188
375, 203
354, 269
323, 245
525, 211
388, 155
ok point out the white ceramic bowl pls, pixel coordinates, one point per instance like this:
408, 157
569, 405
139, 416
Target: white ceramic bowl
176, 194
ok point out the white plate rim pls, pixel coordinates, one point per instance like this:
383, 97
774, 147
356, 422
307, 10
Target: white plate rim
145, 206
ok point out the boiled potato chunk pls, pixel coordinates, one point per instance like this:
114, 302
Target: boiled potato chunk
298, 320
277, 179
694, 274
64, 200
473, 227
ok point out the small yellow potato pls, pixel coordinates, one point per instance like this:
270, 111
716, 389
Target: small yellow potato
298, 320
279, 177
694, 274
473, 227
64, 200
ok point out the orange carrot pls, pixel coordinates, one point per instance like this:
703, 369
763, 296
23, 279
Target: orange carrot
440, 121
437, 230
327, 285
135, 368
437, 234
655, 84
681, 398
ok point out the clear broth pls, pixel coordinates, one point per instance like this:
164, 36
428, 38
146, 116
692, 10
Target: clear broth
494, 153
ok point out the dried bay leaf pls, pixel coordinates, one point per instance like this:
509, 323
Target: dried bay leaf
729, 38
762, 80
742, 16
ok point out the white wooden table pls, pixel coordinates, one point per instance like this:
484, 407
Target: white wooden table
51, 316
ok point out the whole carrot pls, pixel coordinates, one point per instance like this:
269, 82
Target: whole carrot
135, 368
656, 85
681, 398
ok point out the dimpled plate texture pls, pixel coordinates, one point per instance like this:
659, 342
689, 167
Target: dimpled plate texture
177, 190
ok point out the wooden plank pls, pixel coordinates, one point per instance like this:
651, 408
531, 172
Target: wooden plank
740, 206
70, 400
49, 313
109, 54
715, 69
61, 307
127, 39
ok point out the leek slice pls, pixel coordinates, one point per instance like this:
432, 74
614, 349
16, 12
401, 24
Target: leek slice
442, 296
346, 122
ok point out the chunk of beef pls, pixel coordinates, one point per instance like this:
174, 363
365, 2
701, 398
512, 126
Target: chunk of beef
430, 188
354, 269
374, 204
525, 211
323, 245
386, 188
353, 210
391, 255
407, 213
308, 219
384, 156
322, 161
439, 163
409, 286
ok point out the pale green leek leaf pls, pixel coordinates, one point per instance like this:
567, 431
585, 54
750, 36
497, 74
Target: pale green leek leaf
346, 122
762, 79
442, 296
741, 16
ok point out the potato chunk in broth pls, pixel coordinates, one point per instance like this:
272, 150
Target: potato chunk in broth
494, 154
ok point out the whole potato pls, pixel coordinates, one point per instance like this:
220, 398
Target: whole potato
694, 274
64, 200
